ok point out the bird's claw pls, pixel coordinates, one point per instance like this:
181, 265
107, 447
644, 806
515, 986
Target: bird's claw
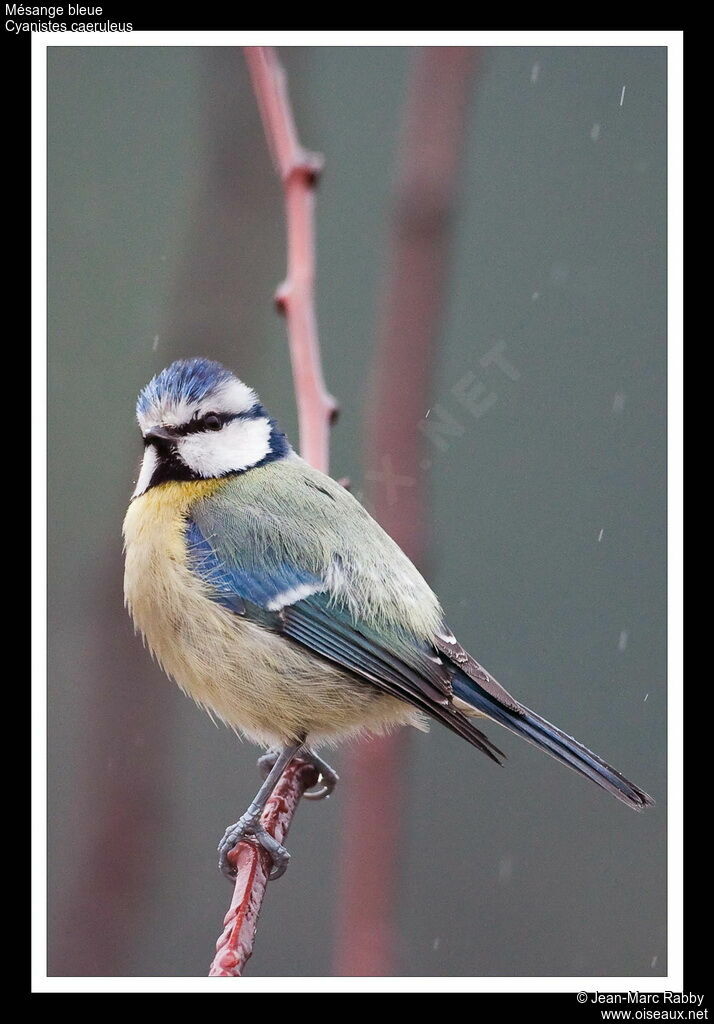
327, 780
251, 828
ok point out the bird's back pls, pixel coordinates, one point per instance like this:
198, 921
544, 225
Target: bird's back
288, 511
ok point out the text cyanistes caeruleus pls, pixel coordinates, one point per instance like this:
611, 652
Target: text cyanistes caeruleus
273, 599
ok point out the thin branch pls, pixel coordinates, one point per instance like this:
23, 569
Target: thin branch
299, 171
252, 864
407, 335
317, 409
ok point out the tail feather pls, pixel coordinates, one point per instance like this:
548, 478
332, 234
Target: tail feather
553, 741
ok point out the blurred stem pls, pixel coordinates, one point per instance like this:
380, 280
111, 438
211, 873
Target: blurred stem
407, 332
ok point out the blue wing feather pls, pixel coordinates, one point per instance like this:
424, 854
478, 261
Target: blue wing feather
259, 585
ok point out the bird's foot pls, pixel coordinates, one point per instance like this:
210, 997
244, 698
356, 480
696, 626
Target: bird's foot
328, 777
249, 827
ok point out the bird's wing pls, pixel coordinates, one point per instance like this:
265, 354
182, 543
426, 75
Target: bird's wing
299, 603
417, 674
304, 559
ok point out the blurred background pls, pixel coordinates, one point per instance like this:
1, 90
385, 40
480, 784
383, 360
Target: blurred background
546, 509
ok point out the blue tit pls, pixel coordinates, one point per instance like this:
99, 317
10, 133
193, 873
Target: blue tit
271, 596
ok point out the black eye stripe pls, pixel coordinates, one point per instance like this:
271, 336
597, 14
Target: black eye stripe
197, 424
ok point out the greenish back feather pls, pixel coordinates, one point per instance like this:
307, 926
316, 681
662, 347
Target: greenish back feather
289, 512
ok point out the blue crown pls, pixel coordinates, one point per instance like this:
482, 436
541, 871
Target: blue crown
189, 380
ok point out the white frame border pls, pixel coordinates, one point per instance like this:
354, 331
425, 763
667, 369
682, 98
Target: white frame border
40, 42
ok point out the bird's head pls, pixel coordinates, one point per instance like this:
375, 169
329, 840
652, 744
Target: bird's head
199, 422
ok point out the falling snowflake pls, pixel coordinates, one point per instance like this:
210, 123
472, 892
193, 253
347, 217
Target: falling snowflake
505, 868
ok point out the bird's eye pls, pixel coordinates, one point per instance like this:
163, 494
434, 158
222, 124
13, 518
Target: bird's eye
212, 421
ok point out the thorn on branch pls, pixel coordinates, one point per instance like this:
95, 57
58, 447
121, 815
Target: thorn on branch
281, 296
308, 168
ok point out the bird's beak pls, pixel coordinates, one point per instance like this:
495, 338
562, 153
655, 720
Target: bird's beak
160, 435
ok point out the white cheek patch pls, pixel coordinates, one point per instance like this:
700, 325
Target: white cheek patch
148, 466
239, 445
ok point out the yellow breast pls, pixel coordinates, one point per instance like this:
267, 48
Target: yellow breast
159, 515
156, 576
159, 588
192, 637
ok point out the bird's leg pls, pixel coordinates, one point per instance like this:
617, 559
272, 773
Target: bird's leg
266, 762
249, 825
328, 777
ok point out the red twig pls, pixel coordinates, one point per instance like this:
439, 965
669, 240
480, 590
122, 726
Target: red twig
252, 864
407, 333
298, 171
